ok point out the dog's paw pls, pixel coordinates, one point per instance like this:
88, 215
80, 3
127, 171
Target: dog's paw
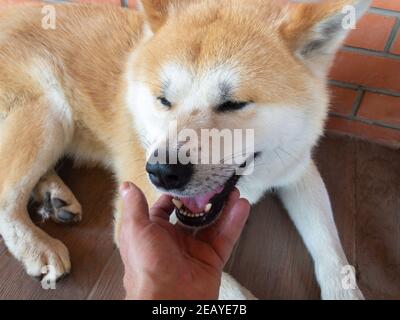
46, 258
61, 207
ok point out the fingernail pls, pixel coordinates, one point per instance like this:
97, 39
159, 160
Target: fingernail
124, 189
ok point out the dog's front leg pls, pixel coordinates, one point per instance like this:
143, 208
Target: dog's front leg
309, 207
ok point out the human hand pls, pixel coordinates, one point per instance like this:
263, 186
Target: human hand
165, 261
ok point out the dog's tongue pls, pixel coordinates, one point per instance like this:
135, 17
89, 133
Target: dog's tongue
196, 204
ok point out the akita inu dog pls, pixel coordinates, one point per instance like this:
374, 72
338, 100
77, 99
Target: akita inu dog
103, 85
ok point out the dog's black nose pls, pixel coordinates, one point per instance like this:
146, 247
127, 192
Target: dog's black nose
169, 176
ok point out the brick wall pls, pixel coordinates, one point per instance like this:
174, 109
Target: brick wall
365, 81
366, 78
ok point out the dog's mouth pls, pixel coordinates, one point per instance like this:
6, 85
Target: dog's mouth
202, 210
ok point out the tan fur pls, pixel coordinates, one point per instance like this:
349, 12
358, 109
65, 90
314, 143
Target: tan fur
88, 58
304, 16
241, 31
92, 80
89, 63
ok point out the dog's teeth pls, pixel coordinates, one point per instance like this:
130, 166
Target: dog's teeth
177, 203
208, 208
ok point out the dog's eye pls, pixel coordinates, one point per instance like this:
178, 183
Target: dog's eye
164, 101
232, 106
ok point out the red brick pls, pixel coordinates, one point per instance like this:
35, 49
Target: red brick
395, 49
381, 108
387, 4
388, 137
342, 100
372, 32
371, 71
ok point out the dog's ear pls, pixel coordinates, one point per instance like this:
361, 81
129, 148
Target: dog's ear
315, 31
156, 12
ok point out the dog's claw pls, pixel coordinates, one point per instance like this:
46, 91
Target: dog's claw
58, 203
65, 216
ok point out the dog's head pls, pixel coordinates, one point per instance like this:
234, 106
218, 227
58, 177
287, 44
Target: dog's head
252, 65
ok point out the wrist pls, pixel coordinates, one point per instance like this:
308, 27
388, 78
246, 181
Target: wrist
150, 289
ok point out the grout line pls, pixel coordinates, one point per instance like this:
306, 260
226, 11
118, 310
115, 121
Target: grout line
369, 52
392, 36
357, 102
378, 123
366, 88
345, 85
366, 121
355, 198
384, 12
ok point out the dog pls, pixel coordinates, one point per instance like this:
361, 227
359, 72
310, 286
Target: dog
103, 85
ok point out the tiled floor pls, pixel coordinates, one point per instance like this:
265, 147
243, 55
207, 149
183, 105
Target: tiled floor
366, 206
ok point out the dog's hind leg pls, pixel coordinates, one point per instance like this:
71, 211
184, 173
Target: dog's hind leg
32, 138
56, 199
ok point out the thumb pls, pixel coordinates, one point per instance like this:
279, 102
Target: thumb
135, 208
231, 229
135, 216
